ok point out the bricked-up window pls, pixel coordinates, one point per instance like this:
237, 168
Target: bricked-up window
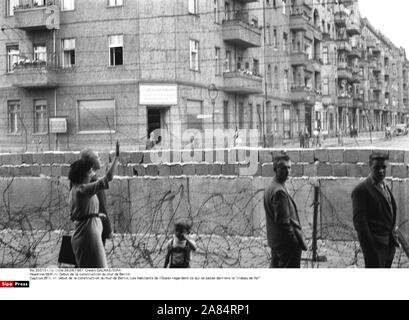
193, 6
40, 116
116, 46
10, 4
194, 55
13, 54
68, 53
96, 116
194, 111
13, 114
67, 5
115, 3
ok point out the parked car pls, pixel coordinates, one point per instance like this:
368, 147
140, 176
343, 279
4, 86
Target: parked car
401, 130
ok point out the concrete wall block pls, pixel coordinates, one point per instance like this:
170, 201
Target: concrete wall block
354, 170
309, 170
125, 158
71, 157
229, 169
321, 155
336, 155
48, 158
339, 170
59, 158
324, 170
406, 157
189, 169
307, 156
297, 170
363, 155
65, 169
400, 171
139, 171
267, 170
36, 170
202, 169
152, 170
56, 171
147, 157
294, 155
396, 156
5, 171
27, 158
265, 156
136, 157
175, 170
176, 156
164, 170
351, 156
215, 169
11, 159
121, 170
46, 170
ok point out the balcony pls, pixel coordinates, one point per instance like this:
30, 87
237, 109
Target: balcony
303, 94
299, 59
243, 83
355, 53
345, 102
376, 85
326, 36
340, 18
357, 77
35, 74
247, 1
387, 88
344, 72
299, 22
344, 45
377, 49
353, 29
241, 33
31, 16
371, 43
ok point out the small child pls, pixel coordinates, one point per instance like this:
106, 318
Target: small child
179, 247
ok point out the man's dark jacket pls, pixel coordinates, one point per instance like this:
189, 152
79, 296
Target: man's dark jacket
374, 217
283, 223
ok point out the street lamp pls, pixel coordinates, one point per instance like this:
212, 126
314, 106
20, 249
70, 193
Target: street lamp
213, 93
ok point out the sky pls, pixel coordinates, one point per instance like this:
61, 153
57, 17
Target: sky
390, 17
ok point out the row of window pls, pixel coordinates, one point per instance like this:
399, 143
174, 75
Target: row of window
92, 116
68, 58
65, 5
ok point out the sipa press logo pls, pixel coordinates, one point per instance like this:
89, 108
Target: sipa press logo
14, 284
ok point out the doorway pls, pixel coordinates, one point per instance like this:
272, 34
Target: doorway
158, 118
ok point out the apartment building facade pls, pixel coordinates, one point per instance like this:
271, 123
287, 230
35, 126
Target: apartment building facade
120, 69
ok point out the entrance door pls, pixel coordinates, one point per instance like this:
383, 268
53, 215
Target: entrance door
158, 119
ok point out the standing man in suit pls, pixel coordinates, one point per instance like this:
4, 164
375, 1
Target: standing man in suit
284, 233
374, 209
89, 154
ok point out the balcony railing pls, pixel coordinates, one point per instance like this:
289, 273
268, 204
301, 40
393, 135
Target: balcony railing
353, 29
345, 102
305, 94
37, 15
299, 58
242, 82
344, 45
340, 18
240, 32
36, 73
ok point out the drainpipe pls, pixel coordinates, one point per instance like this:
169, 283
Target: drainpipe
263, 125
